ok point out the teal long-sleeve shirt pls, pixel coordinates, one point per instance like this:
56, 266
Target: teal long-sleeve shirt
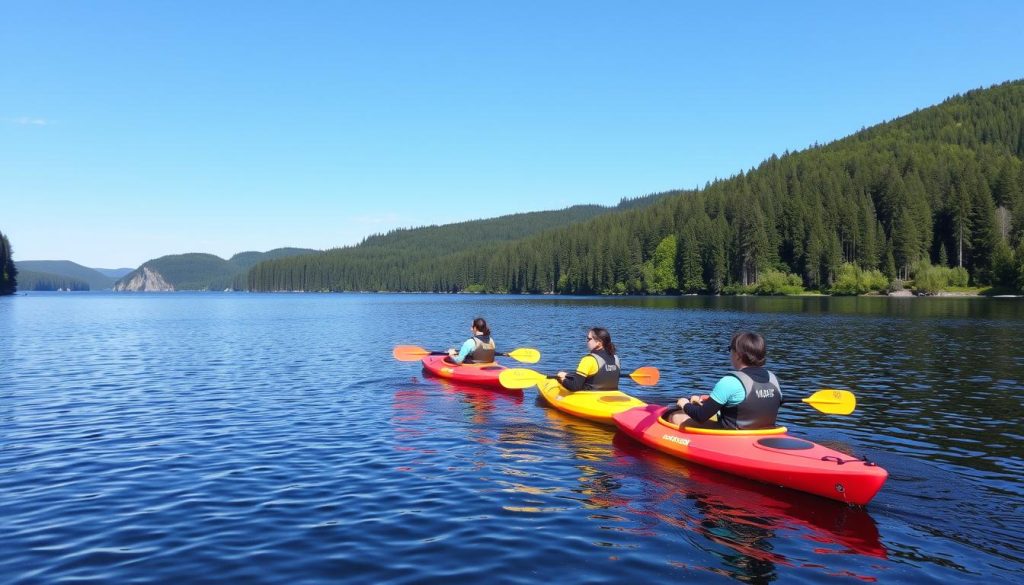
464, 351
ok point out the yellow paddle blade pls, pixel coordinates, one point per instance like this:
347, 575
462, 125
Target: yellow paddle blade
646, 376
514, 378
518, 378
832, 401
409, 353
527, 355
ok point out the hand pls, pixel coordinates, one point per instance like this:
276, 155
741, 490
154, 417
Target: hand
560, 376
451, 352
682, 402
696, 400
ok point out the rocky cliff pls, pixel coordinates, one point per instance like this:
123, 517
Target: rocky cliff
143, 280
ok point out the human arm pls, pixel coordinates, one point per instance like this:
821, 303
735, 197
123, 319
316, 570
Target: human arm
576, 380
701, 411
464, 351
728, 391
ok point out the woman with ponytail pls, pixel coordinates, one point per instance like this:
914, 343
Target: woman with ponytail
477, 349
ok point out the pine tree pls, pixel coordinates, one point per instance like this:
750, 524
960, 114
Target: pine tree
8, 271
983, 233
960, 213
660, 270
688, 259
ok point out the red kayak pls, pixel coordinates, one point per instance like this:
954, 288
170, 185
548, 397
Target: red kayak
771, 456
479, 374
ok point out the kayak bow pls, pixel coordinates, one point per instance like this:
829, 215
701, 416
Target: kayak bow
770, 456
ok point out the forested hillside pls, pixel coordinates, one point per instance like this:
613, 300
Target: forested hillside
941, 186
63, 271
43, 281
8, 271
205, 271
400, 259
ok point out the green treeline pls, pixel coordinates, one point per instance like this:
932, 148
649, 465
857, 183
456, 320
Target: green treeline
8, 271
403, 259
43, 281
197, 271
935, 195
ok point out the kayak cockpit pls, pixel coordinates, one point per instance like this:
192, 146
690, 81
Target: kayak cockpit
718, 431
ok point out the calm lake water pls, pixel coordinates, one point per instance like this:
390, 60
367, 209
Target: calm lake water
272, 438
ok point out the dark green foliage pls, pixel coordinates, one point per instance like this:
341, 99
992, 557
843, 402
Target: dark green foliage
8, 271
945, 184
408, 259
243, 261
209, 272
191, 271
42, 281
67, 270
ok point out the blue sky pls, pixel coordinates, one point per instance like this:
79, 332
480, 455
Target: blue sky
130, 130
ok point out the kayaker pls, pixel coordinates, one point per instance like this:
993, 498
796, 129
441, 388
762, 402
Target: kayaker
748, 398
478, 349
599, 369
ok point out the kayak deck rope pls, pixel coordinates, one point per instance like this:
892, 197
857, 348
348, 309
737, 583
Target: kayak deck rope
840, 461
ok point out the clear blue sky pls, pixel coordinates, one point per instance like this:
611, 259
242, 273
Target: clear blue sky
134, 129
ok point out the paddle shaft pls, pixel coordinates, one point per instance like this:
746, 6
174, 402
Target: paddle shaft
408, 353
524, 378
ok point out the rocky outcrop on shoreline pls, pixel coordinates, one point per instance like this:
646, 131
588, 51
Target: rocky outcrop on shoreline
143, 280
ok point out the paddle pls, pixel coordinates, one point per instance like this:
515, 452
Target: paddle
516, 378
828, 400
412, 353
825, 400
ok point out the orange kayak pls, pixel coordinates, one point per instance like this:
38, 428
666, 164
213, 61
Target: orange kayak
771, 456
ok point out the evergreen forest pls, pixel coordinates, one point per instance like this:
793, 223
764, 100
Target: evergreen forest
44, 281
57, 272
197, 271
934, 198
8, 271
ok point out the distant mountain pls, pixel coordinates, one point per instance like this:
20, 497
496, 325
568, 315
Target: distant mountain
67, 269
246, 260
30, 280
114, 273
399, 259
198, 271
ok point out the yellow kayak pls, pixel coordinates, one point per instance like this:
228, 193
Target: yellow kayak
595, 405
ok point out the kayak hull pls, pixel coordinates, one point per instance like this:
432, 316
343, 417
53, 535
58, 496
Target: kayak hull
596, 405
771, 456
485, 375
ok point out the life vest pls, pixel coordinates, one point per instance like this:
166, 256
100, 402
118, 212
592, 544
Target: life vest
607, 376
760, 407
483, 350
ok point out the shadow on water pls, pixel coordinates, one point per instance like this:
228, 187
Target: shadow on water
739, 522
742, 523
914, 307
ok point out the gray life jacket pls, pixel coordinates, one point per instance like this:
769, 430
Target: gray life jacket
761, 405
483, 350
607, 376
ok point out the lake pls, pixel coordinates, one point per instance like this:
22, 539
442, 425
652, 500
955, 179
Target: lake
269, 438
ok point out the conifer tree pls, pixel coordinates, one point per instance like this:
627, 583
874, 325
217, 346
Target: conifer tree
8, 271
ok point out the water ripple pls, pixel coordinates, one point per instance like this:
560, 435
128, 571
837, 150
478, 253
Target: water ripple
269, 438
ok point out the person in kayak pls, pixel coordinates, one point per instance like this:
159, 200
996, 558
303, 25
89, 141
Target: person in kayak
478, 349
599, 369
747, 398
